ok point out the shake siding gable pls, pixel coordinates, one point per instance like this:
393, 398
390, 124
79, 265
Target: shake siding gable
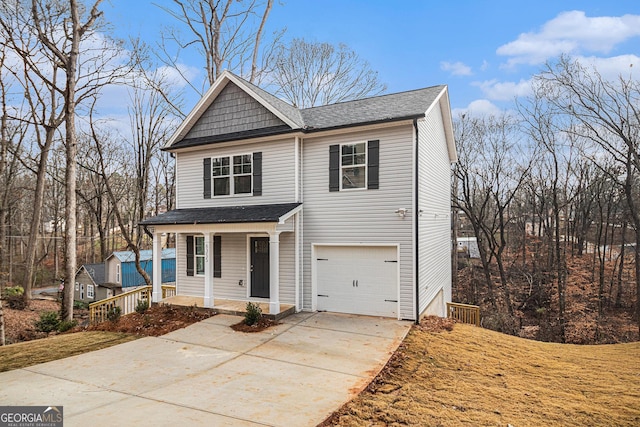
277, 175
361, 216
233, 111
434, 269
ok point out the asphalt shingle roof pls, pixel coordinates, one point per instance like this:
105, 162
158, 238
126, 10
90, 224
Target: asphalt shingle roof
378, 109
223, 214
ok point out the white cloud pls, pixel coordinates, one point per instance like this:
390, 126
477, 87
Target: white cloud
571, 32
456, 68
613, 67
479, 107
504, 91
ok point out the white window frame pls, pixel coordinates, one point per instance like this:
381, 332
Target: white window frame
197, 256
118, 273
231, 176
364, 166
90, 292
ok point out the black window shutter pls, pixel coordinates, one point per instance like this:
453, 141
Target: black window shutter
190, 256
217, 258
334, 167
257, 173
206, 177
373, 165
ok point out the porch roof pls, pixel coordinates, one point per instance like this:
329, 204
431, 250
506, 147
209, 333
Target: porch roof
223, 215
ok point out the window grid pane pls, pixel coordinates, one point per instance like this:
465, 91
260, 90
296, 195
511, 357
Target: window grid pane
354, 165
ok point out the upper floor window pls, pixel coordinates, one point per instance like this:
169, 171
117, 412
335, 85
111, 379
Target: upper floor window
117, 273
354, 166
90, 293
229, 175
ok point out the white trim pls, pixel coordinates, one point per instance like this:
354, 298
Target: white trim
91, 294
443, 98
230, 176
314, 269
289, 214
365, 165
414, 217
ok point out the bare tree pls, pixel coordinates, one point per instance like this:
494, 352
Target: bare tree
227, 33
491, 170
310, 74
607, 113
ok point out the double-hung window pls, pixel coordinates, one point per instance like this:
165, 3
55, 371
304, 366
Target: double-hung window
90, 293
199, 255
231, 175
196, 256
353, 165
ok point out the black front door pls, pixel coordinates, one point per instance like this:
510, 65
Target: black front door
260, 267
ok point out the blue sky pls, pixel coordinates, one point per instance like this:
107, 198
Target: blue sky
486, 51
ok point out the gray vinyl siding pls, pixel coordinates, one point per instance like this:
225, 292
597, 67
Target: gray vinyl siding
287, 268
278, 171
234, 269
434, 225
233, 111
186, 285
362, 216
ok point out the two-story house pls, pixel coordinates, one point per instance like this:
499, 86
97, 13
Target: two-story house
344, 207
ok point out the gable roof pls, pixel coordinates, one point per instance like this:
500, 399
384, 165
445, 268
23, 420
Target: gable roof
95, 271
145, 255
379, 109
224, 214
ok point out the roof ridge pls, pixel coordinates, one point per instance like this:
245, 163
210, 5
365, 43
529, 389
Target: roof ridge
373, 97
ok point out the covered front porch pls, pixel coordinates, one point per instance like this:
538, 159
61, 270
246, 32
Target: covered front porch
228, 256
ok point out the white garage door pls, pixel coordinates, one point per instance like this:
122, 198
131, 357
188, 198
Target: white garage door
358, 279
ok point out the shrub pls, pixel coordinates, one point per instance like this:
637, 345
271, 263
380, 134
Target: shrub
142, 306
49, 322
80, 305
114, 314
253, 314
14, 296
65, 325
13, 291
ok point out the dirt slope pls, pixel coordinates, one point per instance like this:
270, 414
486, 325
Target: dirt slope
474, 376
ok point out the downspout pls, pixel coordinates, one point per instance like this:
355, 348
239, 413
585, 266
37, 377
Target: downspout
416, 230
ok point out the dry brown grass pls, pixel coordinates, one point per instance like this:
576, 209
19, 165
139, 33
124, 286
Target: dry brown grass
474, 376
30, 353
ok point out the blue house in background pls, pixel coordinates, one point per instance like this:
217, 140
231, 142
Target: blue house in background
121, 267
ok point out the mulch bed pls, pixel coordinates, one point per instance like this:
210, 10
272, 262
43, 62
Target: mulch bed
157, 320
261, 325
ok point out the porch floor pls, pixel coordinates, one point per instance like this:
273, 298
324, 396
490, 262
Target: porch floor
228, 306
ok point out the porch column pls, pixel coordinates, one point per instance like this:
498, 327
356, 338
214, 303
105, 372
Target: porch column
157, 268
208, 271
274, 272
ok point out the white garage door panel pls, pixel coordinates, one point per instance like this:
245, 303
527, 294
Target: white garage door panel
357, 279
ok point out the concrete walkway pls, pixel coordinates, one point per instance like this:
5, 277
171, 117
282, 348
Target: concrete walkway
296, 373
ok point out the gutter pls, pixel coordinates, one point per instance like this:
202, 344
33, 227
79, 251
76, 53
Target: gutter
416, 214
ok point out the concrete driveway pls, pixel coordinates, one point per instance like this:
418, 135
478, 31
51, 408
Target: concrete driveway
296, 373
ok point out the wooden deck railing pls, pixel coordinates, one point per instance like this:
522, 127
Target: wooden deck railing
126, 301
168, 291
464, 313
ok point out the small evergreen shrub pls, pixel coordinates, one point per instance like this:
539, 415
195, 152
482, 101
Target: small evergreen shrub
80, 305
65, 325
253, 314
49, 322
14, 296
114, 313
13, 291
142, 306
